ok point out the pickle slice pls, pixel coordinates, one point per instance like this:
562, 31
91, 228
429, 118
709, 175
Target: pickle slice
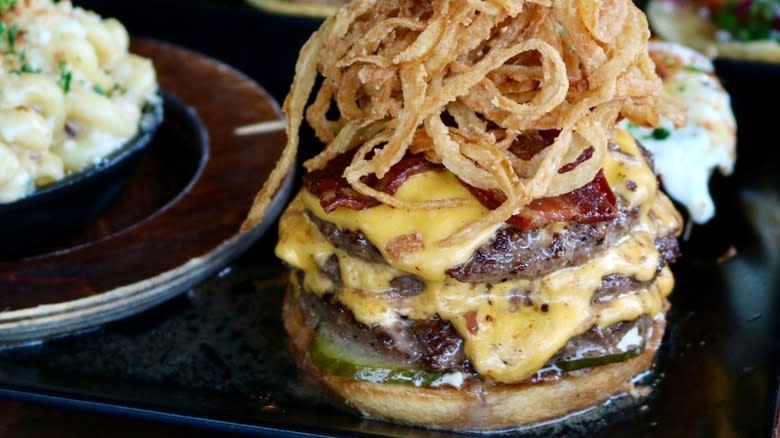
346, 359
342, 357
609, 346
594, 361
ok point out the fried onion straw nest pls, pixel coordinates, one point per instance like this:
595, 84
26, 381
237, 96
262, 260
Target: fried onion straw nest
460, 81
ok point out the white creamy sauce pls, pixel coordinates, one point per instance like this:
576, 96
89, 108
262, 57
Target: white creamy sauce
631, 339
455, 380
686, 157
17, 182
9, 132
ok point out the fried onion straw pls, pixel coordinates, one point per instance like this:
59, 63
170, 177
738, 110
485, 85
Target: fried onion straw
462, 81
261, 127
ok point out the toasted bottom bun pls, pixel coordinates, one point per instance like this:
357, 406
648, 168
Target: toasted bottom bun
682, 23
290, 7
475, 406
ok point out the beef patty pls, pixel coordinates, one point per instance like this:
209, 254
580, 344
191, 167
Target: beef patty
514, 253
434, 344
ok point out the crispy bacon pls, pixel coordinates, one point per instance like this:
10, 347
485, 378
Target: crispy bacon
526, 146
401, 246
334, 191
332, 188
593, 202
471, 321
584, 156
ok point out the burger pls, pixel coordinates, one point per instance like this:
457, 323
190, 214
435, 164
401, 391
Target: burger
477, 245
746, 30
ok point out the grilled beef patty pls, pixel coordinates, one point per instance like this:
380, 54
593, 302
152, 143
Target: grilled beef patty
353, 242
431, 344
514, 253
435, 345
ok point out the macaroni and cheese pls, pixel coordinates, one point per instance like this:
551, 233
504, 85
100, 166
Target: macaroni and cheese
70, 92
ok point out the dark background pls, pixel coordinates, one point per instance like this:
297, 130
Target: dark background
263, 46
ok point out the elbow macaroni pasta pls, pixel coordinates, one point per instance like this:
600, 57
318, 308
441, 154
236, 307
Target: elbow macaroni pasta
70, 92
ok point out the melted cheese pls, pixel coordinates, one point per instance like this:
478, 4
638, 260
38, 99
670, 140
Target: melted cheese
504, 340
383, 223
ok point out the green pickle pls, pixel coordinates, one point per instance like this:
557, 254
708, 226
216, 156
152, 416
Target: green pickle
344, 360
594, 361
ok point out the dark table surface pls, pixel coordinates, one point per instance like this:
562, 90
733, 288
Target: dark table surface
29, 420
265, 48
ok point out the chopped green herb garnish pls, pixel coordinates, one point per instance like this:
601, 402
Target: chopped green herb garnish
694, 69
660, 134
99, 90
119, 88
24, 67
669, 61
749, 20
11, 37
6, 5
65, 77
681, 89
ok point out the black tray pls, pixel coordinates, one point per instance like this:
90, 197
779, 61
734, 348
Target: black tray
217, 358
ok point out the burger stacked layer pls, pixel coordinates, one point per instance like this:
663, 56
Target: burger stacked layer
477, 246
524, 305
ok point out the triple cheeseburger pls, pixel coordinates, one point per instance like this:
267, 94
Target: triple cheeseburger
476, 246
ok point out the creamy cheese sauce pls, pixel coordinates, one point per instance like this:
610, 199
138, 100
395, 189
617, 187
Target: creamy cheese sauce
503, 340
70, 93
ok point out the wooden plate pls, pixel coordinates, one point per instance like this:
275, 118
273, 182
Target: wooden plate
175, 224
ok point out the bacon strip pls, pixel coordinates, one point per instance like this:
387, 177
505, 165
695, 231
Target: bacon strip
584, 156
593, 202
334, 191
526, 146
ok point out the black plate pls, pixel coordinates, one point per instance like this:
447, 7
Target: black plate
217, 358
